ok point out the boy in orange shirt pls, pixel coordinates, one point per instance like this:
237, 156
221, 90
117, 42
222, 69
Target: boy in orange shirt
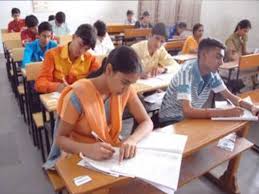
68, 63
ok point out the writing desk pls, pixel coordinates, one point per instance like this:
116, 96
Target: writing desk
199, 157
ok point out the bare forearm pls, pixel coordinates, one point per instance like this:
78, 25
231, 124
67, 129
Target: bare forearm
70, 146
205, 113
142, 130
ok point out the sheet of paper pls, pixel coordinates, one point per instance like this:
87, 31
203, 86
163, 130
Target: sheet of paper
155, 98
164, 142
247, 116
163, 79
165, 167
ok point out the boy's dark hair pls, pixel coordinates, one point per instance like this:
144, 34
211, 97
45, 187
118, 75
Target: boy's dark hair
60, 17
15, 11
88, 34
31, 21
44, 26
160, 29
100, 28
196, 27
130, 12
145, 13
122, 59
243, 24
208, 43
51, 17
181, 25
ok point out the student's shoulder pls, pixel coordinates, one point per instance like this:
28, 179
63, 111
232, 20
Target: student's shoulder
53, 43
139, 44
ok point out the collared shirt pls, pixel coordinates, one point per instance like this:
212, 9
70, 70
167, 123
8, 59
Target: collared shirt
59, 30
235, 44
188, 84
189, 43
57, 66
16, 26
159, 58
28, 36
33, 52
103, 47
132, 22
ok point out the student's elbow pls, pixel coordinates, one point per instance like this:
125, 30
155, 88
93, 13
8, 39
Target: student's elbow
187, 112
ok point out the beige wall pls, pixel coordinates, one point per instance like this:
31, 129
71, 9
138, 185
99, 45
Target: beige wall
221, 16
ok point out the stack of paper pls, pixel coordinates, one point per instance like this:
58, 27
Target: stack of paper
247, 115
155, 98
53, 99
160, 80
157, 161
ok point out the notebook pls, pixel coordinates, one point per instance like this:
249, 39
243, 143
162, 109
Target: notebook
157, 161
247, 115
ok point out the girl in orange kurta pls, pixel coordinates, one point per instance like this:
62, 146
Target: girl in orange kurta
95, 106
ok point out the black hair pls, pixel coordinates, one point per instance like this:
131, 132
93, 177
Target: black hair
15, 11
60, 17
51, 17
208, 43
145, 13
88, 34
181, 25
243, 24
31, 21
44, 26
196, 27
100, 28
122, 59
160, 29
130, 12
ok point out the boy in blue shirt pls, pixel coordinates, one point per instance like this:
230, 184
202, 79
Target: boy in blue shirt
35, 50
192, 84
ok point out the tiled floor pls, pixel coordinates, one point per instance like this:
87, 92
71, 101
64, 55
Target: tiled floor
20, 161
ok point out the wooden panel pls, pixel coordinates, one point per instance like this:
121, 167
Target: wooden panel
68, 170
118, 28
17, 54
55, 180
254, 94
11, 36
32, 70
10, 44
249, 62
134, 33
208, 158
202, 132
174, 45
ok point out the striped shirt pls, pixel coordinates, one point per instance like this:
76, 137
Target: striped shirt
188, 84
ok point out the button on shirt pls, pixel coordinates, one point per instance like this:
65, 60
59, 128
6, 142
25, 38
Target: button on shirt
33, 52
188, 84
159, 58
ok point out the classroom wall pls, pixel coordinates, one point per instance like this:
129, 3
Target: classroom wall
77, 12
220, 18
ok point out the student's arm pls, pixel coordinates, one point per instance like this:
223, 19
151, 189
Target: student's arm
145, 126
202, 113
28, 51
239, 102
45, 82
68, 118
167, 62
95, 64
67, 29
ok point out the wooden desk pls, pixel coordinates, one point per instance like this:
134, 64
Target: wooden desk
230, 67
198, 158
254, 94
184, 57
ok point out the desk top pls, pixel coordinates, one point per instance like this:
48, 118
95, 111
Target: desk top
50, 104
184, 57
196, 130
229, 65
